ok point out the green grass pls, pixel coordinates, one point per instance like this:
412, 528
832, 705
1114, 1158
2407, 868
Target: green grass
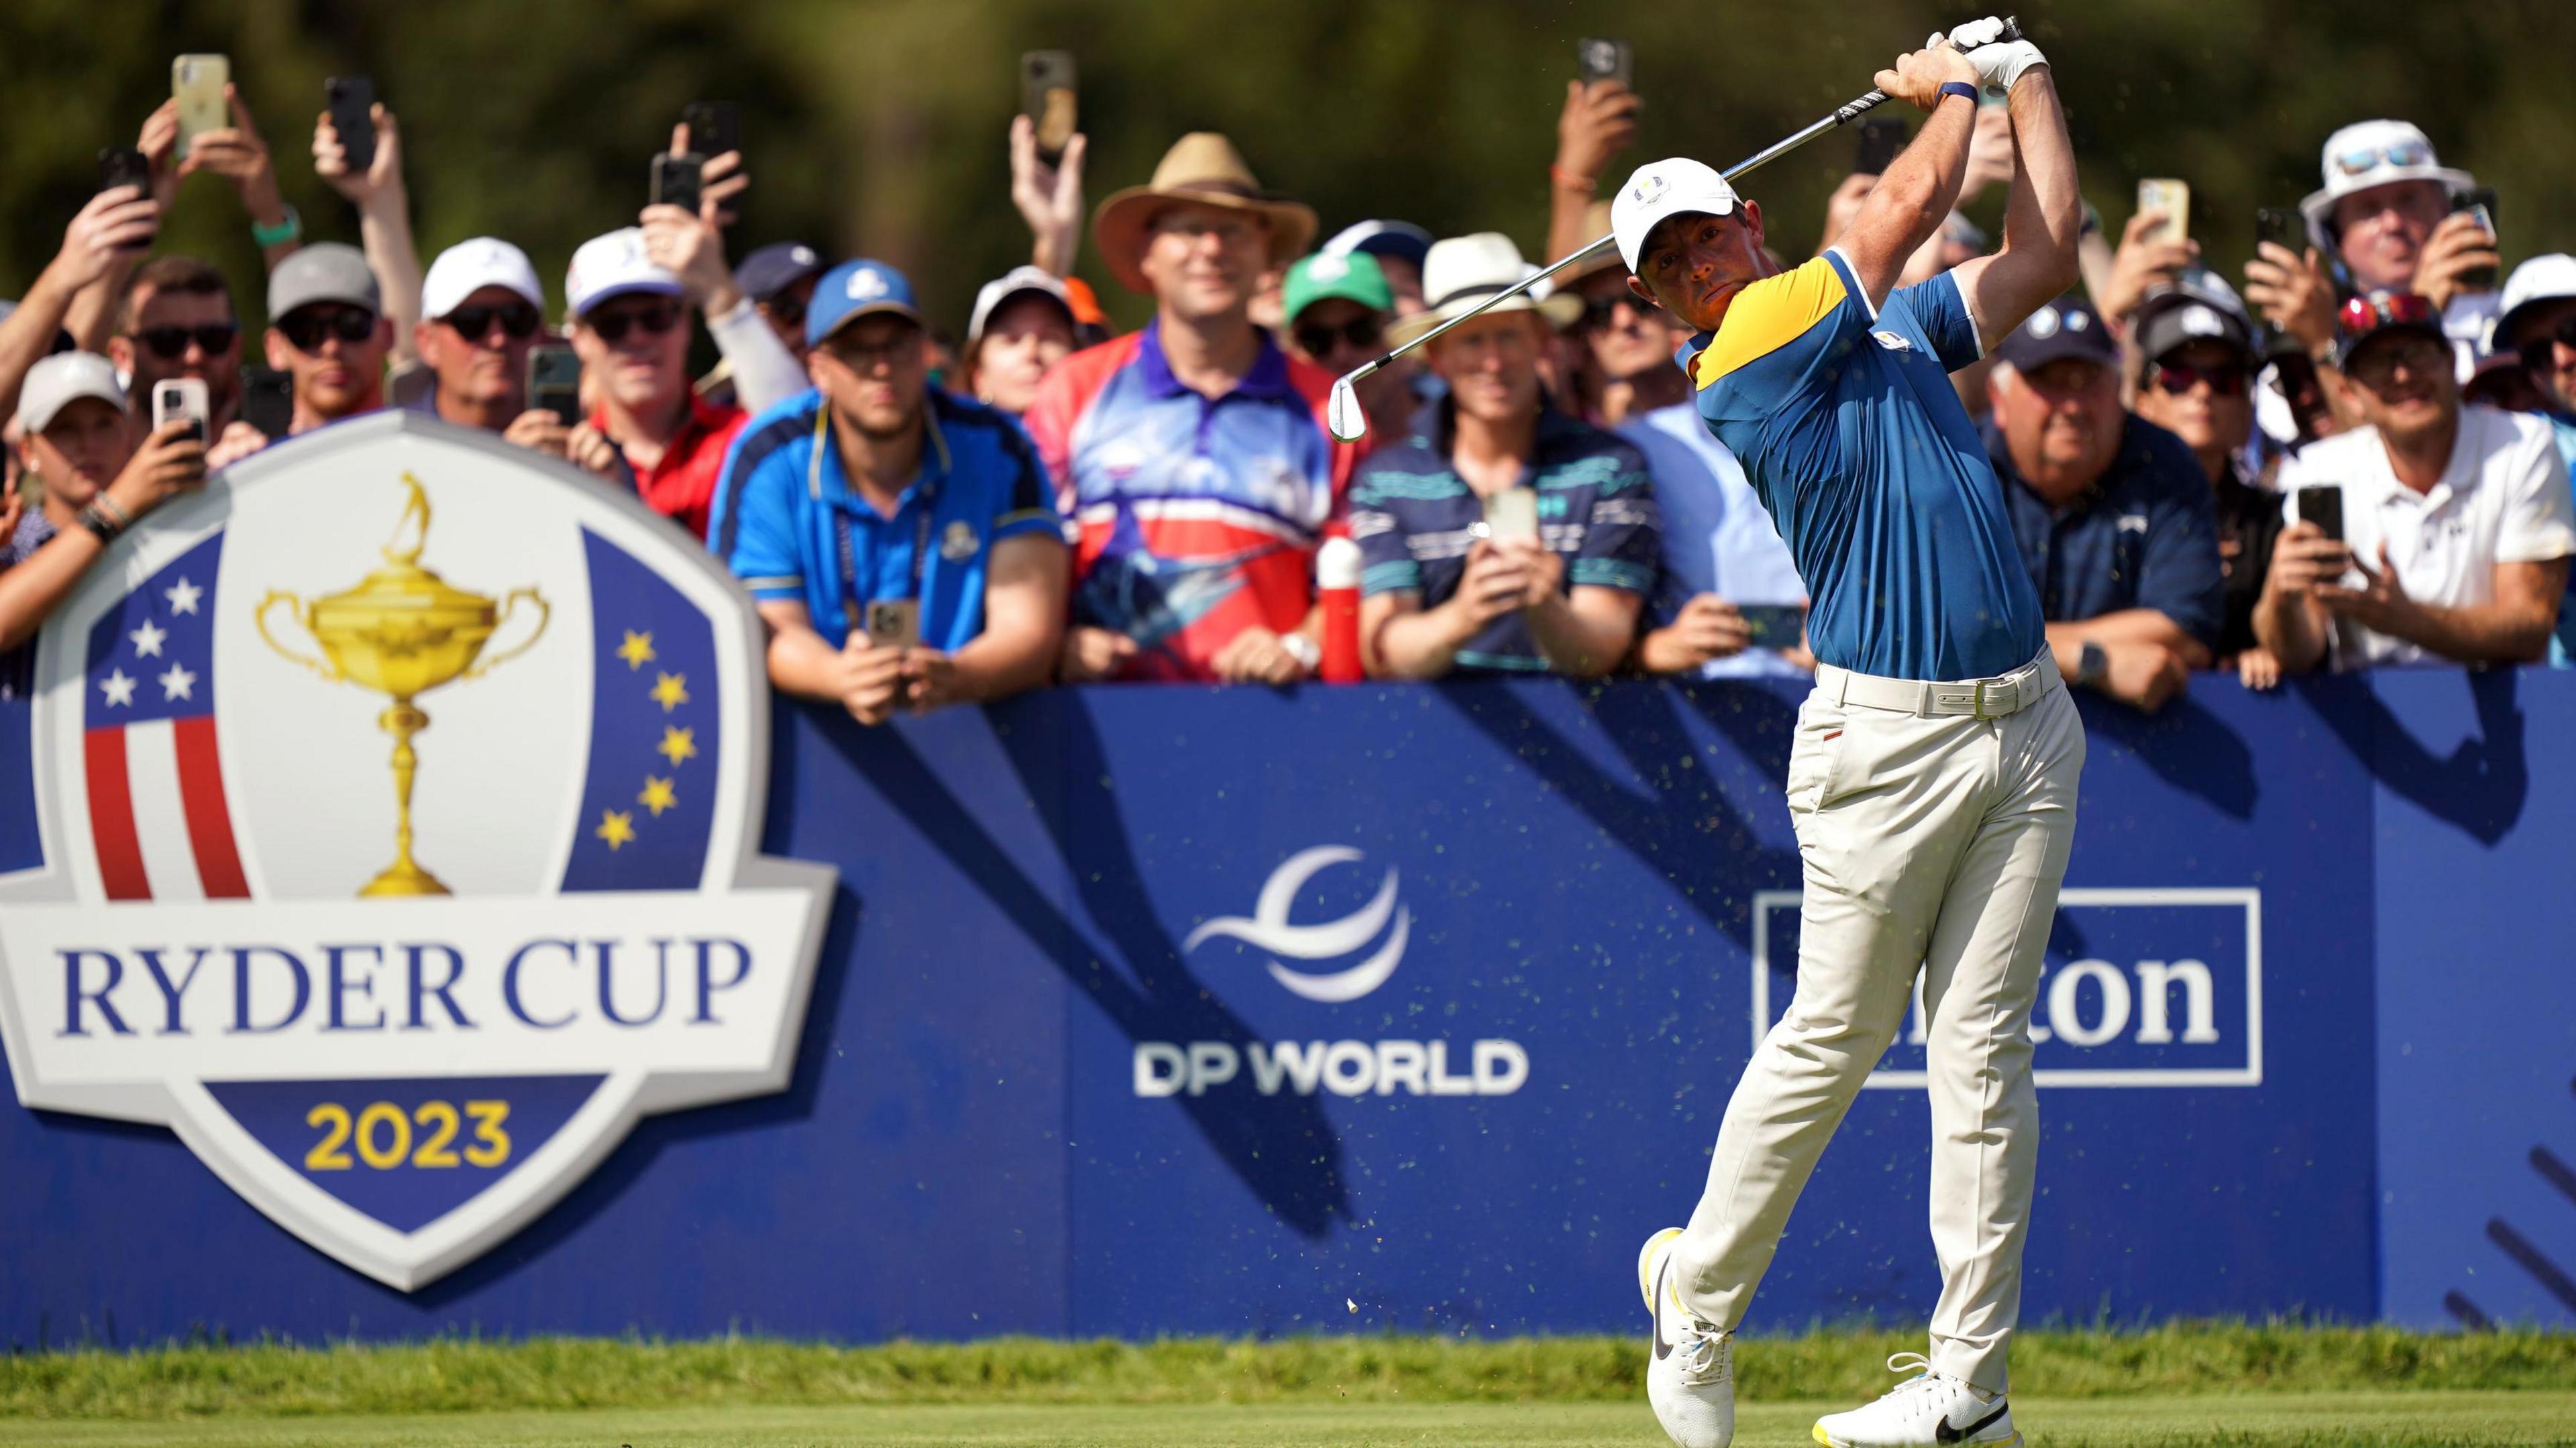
2272, 1420
2277, 1385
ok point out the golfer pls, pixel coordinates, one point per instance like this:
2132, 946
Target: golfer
1933, 775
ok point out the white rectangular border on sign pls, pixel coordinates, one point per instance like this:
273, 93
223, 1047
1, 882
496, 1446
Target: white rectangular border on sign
2251, 899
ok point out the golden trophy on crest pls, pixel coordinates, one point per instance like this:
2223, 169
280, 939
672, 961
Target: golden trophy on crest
403, 631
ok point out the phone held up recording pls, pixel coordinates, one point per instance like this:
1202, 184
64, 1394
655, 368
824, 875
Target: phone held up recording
2172, 199
676, 180
2322, 505
197, 83
554, 381
1049, 100
894, 623
351, 99
181, 399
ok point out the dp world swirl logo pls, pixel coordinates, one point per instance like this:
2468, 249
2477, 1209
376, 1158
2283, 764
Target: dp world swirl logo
1325, 943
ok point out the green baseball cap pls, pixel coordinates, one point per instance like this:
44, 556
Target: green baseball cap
1353, 276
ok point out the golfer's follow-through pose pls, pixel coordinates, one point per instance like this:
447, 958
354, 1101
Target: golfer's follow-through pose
1933, 775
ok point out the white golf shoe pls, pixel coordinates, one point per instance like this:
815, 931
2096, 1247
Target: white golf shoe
1690, 1380
1928, 1409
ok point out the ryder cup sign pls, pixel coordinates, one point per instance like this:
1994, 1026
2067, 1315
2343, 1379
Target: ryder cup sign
401, 795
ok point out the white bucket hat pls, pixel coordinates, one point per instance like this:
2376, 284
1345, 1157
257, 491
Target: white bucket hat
1463, 271
2374, 153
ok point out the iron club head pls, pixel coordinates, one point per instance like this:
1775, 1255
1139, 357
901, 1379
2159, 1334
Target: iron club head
1344, 418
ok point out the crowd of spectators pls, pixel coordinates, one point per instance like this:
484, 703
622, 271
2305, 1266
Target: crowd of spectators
2357, 458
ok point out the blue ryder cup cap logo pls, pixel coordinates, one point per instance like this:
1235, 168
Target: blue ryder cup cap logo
400, 798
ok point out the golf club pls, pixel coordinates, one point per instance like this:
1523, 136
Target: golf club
1343, 416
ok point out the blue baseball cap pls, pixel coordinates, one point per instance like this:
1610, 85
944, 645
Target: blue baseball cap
852, 290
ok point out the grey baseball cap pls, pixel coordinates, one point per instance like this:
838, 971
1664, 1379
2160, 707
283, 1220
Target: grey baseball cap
327, 271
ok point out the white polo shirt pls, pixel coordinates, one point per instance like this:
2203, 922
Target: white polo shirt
2503, 499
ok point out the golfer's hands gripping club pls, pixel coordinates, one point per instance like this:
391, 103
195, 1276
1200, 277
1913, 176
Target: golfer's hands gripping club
1997, 49
1918, 75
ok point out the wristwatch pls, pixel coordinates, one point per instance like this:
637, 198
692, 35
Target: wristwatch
283, 232
2093, 667
1961, 88
1302, 649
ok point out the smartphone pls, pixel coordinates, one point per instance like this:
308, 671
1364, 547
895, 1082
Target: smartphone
1047, 98
1882, 138
351, 99
1512, 513
181, 399
123, 166
268, 401
197, 83
2282, 227
894, 623
715, 127
2480, 202
2173, 198
675, 180
1596, 59
554, 381
2323, 506
1775, 625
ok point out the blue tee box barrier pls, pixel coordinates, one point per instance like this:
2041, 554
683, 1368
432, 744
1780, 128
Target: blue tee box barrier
1172, 1010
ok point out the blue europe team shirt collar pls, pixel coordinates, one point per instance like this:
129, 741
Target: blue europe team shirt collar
1266, 382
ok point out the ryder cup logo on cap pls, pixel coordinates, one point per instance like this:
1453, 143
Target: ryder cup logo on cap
400, 797
1675, 187
2042, 324
2200, 321
852, 290
614, 265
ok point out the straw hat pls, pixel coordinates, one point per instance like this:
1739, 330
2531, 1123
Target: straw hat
1463, 271
1202, 168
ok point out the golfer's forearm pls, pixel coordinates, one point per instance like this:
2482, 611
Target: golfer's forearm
1912, 199
2045, 212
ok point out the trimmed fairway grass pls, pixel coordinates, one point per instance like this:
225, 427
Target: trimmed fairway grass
2259, 1420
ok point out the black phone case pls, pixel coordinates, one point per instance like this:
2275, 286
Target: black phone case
676, 180
2324, 508
124, 166
352, 101
715, 127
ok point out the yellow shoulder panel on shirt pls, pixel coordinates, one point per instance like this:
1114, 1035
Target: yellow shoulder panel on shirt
1767, 316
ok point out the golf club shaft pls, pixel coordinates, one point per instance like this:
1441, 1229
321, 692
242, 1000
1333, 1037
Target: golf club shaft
1777, 149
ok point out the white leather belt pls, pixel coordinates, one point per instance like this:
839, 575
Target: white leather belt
1934, 698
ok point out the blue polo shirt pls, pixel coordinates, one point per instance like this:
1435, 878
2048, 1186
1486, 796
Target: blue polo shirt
2145, 535
787, 523
1411, 512
1848, 429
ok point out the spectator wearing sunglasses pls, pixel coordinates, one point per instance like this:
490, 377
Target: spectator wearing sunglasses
2196, 381
178, 321
2538, 325
329, 333
1626, 343
481, 309
1021, 327
631, 291
1337, 306
2112, 514
2457, 525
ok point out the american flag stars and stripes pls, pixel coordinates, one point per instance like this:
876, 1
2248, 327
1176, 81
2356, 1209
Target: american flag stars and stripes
159, 820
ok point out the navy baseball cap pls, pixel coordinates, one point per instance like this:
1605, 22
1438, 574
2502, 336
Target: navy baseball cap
776, 267
852, 290
2057, 331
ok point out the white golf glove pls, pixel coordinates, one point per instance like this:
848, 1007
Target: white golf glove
1999, 62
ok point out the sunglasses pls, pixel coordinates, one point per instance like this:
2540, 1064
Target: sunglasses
306, 328
2227, 379
171, 343
2536, 353
1603, 312
518, 319
2371, 158
656, 319
2386, 309
1362, 332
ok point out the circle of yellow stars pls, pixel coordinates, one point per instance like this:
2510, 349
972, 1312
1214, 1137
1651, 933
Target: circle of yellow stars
678, 745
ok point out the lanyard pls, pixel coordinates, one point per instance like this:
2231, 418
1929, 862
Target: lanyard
925, 502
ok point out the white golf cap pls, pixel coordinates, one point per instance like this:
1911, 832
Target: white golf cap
2541, 279
1463, 273
614, 266
469, 266
1677, 186
57, 381
1018, 280
2374, 153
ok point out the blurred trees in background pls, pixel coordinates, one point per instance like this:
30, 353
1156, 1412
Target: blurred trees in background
877, 126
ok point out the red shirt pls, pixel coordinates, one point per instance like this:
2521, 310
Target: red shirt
682, 486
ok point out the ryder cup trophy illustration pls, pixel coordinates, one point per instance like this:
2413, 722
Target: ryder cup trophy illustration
403, 631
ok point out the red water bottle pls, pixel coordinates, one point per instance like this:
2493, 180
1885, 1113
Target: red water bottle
1337, 584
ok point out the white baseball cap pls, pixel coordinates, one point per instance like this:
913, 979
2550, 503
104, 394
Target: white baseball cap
1677, 186
2374, 153
57, 381
2541, 279
469, 266
1034, 280
614, 266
